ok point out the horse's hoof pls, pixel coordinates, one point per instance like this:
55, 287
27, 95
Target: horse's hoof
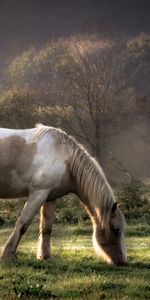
45, 257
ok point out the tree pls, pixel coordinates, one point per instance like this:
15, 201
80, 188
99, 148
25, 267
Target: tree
83, 84
20, 108
92, 80
137, 66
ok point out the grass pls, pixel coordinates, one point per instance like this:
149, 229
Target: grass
76, 272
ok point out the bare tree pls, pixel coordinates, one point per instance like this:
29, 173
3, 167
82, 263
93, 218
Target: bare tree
92, 82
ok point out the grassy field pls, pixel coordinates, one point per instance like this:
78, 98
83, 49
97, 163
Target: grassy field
76, 272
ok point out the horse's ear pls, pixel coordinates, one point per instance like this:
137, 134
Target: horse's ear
114, 207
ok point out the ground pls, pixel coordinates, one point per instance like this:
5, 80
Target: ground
75, 271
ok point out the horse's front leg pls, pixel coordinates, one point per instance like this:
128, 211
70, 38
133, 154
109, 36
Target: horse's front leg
34, 202
46, 222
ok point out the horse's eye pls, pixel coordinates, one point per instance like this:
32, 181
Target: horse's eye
116, 231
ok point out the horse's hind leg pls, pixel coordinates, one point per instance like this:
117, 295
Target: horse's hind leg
34, 202
46, 222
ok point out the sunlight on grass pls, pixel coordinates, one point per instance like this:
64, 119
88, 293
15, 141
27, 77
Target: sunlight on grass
75, 272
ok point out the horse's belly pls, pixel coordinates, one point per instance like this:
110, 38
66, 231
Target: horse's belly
13, 185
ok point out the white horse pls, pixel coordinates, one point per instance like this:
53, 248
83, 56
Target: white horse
45, 163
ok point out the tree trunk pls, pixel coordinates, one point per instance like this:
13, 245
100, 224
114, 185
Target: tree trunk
97, 141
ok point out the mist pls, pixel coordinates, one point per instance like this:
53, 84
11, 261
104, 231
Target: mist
29, 27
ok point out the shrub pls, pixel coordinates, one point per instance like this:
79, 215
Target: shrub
10, 210
69, 210
131, 197
130, 194
2, 221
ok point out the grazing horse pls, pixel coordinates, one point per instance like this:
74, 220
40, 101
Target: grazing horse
45, 163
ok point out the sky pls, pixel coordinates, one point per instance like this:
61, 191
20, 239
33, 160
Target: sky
24, 23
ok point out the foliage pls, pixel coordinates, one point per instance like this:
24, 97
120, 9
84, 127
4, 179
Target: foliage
17, 108
10, 210
96, 89
83, 72
19, 72
130, 195
70, 210
137, 63
23, 108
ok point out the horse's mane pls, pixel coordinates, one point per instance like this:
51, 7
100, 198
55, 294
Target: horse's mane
87, 173
91, 180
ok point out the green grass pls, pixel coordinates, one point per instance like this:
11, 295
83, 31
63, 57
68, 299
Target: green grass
76, 272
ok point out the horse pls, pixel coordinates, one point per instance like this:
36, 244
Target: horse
44, 163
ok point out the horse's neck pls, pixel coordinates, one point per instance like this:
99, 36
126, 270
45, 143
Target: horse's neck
92, 188
98, 205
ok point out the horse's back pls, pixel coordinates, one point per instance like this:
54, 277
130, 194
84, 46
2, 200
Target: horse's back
28, 156
27, 134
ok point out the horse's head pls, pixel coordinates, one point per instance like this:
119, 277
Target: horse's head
108, 237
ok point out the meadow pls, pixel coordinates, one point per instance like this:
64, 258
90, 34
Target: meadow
75, 271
